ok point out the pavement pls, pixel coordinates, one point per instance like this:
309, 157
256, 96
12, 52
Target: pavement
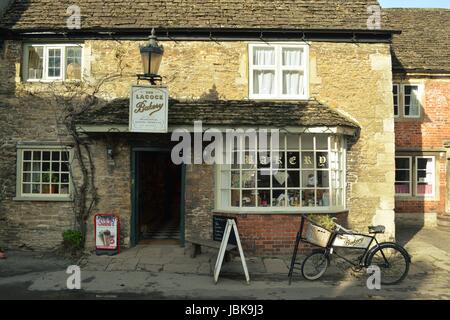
168, 272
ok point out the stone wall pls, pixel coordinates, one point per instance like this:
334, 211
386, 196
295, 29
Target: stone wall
355, 79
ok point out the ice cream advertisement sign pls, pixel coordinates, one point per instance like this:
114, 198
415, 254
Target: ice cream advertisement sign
106, 232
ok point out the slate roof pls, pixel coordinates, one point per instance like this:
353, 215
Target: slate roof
424, 44
243, 113
303, 14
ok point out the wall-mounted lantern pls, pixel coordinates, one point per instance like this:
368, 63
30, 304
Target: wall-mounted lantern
151, 56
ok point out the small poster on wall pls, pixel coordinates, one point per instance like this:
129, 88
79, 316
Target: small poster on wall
107, 232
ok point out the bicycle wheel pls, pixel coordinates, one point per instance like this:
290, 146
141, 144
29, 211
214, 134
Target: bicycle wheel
393, 261
315, 265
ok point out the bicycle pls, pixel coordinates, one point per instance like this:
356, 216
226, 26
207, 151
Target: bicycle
392, 259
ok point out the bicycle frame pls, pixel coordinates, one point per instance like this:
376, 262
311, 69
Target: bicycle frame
330, 248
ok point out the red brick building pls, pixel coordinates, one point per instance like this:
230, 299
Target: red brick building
421, 79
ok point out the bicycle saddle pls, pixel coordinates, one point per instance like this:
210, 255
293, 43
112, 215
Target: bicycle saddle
377, 229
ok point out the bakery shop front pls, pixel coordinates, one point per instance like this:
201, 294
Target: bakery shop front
262, 163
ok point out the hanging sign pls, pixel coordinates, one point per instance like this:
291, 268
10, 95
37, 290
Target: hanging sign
107, 232
149, 109
231, 225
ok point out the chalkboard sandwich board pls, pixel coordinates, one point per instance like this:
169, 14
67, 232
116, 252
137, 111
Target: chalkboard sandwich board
219, 224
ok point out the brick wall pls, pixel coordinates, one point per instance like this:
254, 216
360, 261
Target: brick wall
427, 134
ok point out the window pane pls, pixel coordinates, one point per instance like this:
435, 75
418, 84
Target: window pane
45, 166
27, 155
264, 56
402, 163
46, 177
54, 62
54, 188
323, 179
36, 155
294, 198
322, 160
323, 198
263, 82
294, 179
36, 188
65, 166
402, 175
307, 160
264, 198
249, 198
73, 63
225, 196
235, 179
26, 177
321, 142
263, 179
235, 198
26, 188
293, 160
308, 198
292, 57
278, 160
395, 89
425, 164
402, 188
278, 198
27, 166
308, 179
279, 179
412, 103
35, 62
308, 142
45, 188
263, 160
249, 179
292, 142
55, 155
292, 82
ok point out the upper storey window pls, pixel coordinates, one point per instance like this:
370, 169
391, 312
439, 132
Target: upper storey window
278, 71
48, 62
408, 100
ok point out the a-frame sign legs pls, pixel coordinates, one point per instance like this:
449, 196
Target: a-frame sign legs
231, 224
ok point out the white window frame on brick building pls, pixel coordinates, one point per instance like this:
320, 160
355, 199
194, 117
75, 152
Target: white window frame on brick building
44, 173
281, 191
45, 57
430, 173
401, 99
281, 69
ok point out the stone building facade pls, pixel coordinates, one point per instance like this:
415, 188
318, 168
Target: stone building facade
348, 100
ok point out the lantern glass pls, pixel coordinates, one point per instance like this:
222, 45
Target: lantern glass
151, 59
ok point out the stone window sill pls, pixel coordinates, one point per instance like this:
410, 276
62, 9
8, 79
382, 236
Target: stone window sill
45, 199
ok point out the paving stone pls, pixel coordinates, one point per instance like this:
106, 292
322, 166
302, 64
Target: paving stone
204, 268
149, 267
275, 266
181, 268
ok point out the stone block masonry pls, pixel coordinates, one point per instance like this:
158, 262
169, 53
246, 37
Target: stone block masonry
355, 79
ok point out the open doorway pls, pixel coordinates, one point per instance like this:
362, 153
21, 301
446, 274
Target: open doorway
158, 198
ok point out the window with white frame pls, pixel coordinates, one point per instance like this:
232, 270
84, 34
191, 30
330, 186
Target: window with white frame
408, 100
305, 172
47, 62
278, 71
425, 176
43, 173
403, 174
415, 176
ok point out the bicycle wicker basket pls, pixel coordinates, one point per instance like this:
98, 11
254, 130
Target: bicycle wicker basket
316, 235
